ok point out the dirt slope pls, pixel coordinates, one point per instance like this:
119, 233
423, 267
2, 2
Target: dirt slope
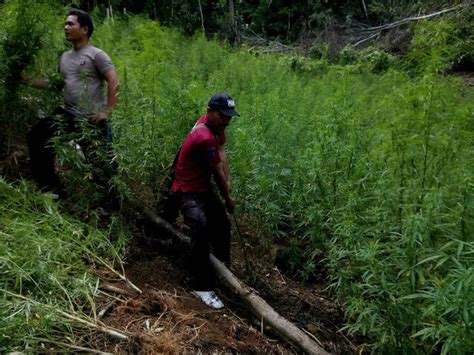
168, 318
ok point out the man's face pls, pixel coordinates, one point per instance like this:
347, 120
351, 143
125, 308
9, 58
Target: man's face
73, 30
218, 119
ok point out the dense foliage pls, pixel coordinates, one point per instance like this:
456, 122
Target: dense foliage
43, 270
284, 20
367, 164
369, 168
24, 37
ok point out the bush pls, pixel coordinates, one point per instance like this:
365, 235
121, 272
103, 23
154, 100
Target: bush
27, 43
436, 45
43, 270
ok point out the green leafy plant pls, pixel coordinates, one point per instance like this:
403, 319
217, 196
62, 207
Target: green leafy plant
25, 41
43, 270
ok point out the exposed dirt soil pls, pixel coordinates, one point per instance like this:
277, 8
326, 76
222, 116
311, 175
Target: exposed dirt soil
168, 318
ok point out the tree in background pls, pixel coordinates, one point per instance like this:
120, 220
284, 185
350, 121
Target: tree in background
284, 20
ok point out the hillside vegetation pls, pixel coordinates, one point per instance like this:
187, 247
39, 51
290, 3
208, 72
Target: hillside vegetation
363, 165
44, 271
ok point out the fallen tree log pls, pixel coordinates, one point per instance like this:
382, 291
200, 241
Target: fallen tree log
378, 29
417, 18
262, 309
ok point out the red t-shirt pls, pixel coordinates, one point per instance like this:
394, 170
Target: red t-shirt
199, 152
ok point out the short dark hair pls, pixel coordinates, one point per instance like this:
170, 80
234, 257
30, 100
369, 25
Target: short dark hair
84, 19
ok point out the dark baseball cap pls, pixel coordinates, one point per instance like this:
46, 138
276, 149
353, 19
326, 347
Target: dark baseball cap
224, 103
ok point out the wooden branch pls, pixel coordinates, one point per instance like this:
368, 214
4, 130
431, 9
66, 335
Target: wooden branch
366, 39
115, 298
263, 310
104, 263
116, 289
202, 17
105, 310
75, 347
123, 277
112, 332
268, 315
365, 9
410, 19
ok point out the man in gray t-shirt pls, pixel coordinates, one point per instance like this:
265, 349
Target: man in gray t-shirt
85, 70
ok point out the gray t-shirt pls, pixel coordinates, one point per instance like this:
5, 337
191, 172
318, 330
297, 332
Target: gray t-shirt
83, 71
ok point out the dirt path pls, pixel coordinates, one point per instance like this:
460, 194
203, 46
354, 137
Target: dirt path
168, 318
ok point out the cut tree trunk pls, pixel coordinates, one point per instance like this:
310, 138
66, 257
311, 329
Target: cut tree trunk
202, 17
262, 309
234, 28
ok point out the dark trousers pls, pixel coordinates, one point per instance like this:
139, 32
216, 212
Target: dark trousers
210, 230
42, 153
96, 144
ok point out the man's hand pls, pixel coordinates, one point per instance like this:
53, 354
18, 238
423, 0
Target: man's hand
98, 117
36, 83
230, 204
224, 188
24, 78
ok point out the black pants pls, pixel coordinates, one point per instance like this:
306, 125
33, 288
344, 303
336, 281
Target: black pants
210, 230
95, 141
42, 153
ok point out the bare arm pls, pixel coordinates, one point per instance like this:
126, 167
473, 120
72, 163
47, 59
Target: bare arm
113, 90
224, 188
36, 83
225, 167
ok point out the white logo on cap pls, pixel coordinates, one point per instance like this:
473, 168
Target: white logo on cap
230, 103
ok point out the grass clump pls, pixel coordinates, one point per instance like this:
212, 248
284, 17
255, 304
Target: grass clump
43, 270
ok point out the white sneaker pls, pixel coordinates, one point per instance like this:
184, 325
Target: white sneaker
210, 298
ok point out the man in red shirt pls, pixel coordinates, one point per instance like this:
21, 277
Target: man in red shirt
201, 158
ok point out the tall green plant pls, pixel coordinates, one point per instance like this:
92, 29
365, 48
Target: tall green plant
26, 33
371, 169
42, 269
